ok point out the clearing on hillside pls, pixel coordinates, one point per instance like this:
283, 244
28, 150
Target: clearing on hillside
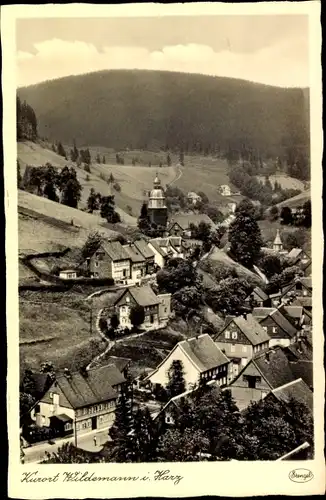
286, 181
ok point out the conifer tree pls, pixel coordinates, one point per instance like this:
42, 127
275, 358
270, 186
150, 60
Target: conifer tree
244, 235
60, 150
176, 384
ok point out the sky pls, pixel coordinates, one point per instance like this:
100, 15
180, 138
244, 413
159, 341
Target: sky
266, 49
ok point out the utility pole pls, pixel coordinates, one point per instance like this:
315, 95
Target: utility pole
75, 427
91, 319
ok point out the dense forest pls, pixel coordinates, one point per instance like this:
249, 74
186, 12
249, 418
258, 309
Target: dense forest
171, 111
26, 121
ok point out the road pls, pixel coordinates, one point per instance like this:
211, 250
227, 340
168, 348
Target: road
178, 176
36, 453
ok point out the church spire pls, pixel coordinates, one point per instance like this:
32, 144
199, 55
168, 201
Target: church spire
278, 245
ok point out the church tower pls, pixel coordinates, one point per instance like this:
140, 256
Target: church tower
157, 209
278, 245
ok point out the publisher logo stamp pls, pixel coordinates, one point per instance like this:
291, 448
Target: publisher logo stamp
301, 475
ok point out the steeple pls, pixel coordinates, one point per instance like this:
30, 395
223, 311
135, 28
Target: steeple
157, 209
278, 245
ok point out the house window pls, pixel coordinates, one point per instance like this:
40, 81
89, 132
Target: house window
95, 275
168, 420
234, 335
274, 330
251, 381
96, 263
51, 395
165, 309
127, 299
227, 335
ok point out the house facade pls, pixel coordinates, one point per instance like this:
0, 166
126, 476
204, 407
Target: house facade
277, 326
193, 197
68, 274
301, 259
258, 298
225, 190
201, 360
265, 372
79, 401
240, 339
110, 261
138, 263
147, 253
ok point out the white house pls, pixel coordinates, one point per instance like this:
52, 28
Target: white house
200, 358
225, 190
164, 248
68, 274
193, 197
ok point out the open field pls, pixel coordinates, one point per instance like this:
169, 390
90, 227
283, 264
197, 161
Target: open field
286, 181
269, 228
55, 326
296, 201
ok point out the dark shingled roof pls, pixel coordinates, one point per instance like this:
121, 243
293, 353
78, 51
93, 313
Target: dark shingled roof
302, 301
283, 323
144, 296
304, 370
162, 251
262, 312
91, 387
120, 363
62, 417
275, 367
143, 248
115, 251
253, 330
203, 352
260, 293
184, 220
134, 254
297, 390
300, 350
295, 253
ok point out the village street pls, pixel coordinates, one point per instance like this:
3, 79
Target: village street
36, 453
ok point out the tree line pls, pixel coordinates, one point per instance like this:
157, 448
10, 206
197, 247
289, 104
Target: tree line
26, 121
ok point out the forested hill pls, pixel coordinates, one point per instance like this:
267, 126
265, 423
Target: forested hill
146, 109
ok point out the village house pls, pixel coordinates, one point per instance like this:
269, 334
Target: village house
258, 298
157, 308
240, 339
80, 401
122, 364
110, 261
280, 330
297, 389
299, 292
295, 315
300, 258
171, 408
225, 190
138, 263
147, 253
201, 360
166, 248
264, 373
193, 198
180, 224
68, 274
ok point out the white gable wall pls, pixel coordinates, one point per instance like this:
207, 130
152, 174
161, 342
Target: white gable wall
191, 374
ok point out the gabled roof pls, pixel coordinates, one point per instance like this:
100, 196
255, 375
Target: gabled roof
144, 249
212, 385
283, 323
303, 369
91, 387
307, 282
115, 250
262, 312
143, 295
160, 249
120, 363
251, 328
203, 352
134, 254
41, 382
294, 311
184, 220
261, 294
274, 367
297, 390
303, 301
295, 253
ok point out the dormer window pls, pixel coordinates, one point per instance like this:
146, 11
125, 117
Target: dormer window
227, 335
127, 299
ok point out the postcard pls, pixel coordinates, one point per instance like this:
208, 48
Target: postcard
164, 249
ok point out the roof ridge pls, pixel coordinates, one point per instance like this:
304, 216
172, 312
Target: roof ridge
287, 385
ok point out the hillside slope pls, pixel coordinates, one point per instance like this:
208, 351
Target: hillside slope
133, 180
144, 109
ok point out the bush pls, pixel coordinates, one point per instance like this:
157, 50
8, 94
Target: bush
117, 187
87, 168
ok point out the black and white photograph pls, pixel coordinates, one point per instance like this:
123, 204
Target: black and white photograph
164, 215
